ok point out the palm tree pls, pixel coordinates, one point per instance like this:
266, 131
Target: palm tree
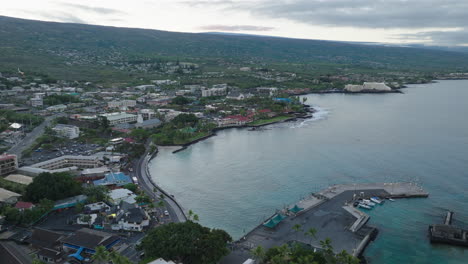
195, 218
297, 228
101, 255
312, 232
258, 253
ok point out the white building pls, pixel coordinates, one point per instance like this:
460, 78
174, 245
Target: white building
67, 131
147, 113
122, 104
36, 102
120, 118
133, 218
215, 91
368, 86
57, 108
119, 195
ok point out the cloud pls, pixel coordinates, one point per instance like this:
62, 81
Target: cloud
61, 17
440, 38
236, 28
208, 3
385, 14
98, 10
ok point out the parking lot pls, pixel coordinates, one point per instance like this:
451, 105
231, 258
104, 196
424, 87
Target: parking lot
69, 148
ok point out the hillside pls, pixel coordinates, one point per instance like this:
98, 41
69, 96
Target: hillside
63, 48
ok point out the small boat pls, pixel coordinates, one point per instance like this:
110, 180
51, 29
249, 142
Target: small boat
376, 200
391, 200
368, 202
361, 205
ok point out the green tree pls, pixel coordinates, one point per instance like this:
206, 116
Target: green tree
131, 187
312, 232
180, 100
258, 253
101, 255
186, 242
297, 228
52, 186
96, 193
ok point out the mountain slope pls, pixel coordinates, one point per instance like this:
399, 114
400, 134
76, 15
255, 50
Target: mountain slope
27, 42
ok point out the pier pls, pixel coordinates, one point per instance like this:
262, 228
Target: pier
448, 234
330, 212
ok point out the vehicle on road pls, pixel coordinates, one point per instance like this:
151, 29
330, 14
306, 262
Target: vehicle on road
166, 213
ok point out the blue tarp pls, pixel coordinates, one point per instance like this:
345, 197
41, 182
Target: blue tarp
77, 254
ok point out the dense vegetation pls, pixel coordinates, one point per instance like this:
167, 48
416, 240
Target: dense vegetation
181, 130
28, 216
55, 99
52, 186
7, 117
186, 242
76, 51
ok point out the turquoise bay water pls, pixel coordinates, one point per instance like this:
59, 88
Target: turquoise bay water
237, 178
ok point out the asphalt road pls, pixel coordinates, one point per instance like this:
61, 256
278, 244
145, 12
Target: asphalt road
32, 136
175, 213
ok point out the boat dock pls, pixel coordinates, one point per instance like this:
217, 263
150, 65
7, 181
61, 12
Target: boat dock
330, 212
448, 234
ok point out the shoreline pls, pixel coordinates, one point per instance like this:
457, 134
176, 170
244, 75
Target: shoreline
354, 234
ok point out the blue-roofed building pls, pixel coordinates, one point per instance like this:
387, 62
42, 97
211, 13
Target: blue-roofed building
283, 100
113, 179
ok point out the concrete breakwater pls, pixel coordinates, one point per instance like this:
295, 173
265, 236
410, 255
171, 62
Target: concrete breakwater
331, 213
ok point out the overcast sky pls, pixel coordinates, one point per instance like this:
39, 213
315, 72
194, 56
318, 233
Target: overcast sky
435, 22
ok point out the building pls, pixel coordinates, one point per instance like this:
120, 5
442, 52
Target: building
8, 197
119, 195
161, 261
217, 90
47, 243
368, 86
113, 179
130, 217
84, 241
150, 123
8, 164
36, 102
235, 120
122, 104
18, 178
67, 131
24, 206
67, 163
147, 113
120, 118
57, 108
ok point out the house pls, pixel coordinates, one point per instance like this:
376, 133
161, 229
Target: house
24, 206
130, 217
48, 245
85, 240
161, 261
217, 90
8, 197
238, 95
121, 104
67, 131
119, 195
36, 102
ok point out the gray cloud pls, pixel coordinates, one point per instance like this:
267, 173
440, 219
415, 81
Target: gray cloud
61, 17
387, 14
440, 38
236, 28
98, 10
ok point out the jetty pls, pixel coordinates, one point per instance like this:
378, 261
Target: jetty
330, 212
448, 234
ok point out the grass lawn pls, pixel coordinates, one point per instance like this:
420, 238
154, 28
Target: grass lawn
267, 121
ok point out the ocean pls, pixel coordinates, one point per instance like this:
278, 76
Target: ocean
238, 178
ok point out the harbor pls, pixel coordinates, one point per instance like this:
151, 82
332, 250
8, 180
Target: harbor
331, 212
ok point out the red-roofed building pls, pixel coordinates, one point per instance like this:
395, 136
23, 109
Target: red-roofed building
129, 140
234, 120
267, 112
24, 206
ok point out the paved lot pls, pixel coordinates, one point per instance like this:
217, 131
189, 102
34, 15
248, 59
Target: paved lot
68, 148
329, 219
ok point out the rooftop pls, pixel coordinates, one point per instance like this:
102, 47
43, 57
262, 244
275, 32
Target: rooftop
6, 194
18, 178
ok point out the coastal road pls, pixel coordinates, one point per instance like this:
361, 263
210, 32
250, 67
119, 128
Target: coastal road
29, 139
141, 171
